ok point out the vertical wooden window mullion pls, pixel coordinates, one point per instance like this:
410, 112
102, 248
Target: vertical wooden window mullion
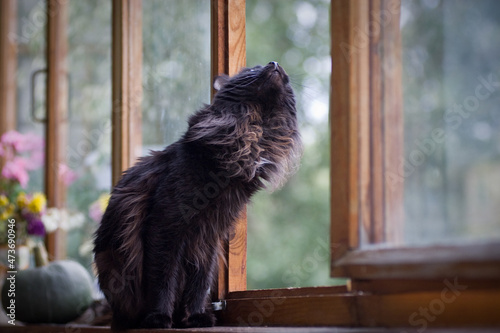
349, 113
386, 125
367, 126
8, 65
376, 230
393, 124
228, 55
57, 117
127, 85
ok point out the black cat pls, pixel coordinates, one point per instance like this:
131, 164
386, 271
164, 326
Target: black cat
157, 247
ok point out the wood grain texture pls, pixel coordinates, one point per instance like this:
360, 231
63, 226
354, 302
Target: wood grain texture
393, 125
473, 261
228, 49
446, 308
367, 125
287, 292
219, 65
376, 227
236, 36
219, 38
56, 126
349, 105
290, 311
454, 304
398, 286
237, 250
126, 85
237, 257
57, 102
361, 88
8, 65
382, 194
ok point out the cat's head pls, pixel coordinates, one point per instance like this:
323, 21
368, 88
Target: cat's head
251, 126
267, 86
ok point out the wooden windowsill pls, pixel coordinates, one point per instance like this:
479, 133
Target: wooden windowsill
453, 309
471, 261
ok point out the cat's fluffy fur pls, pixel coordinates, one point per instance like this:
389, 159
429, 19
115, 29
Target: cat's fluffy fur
157, 246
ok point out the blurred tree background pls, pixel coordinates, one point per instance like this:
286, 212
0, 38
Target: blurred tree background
288, 230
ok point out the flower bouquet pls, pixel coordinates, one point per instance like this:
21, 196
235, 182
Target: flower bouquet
22, 214
20, 153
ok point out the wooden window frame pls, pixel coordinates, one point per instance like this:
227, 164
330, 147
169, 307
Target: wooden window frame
126, 55
386, 286
366, 146
56, 124
228, 56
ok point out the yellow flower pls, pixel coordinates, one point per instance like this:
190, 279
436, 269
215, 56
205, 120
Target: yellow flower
22, 201
4, 215
8, 212
38, 203
103, 201
3, 200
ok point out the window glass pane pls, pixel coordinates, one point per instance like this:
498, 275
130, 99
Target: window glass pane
452, 120
176, 68
31, 63
288, 243
88, 175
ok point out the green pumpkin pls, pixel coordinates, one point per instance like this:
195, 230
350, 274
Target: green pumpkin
56, 293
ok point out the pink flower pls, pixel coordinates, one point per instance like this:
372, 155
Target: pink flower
31, 143
13, 138
68, 176
21, 152
95, 212
16, 170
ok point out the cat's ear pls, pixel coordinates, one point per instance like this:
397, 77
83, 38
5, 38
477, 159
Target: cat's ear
220, 81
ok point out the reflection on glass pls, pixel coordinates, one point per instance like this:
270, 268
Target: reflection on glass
89, 111
176, 67
452, 120
288, 231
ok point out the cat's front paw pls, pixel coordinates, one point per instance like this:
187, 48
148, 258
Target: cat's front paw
157, 320
200, 320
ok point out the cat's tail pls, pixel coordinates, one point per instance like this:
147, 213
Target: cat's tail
119, 255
